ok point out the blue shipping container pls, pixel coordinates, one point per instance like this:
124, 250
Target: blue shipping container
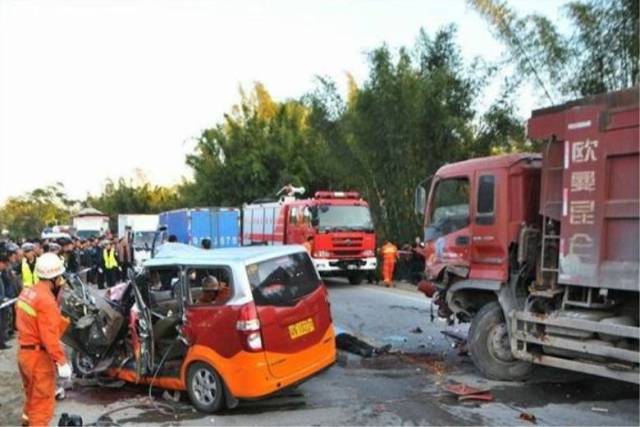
220, 225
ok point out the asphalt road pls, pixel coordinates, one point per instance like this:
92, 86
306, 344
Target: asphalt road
404, 387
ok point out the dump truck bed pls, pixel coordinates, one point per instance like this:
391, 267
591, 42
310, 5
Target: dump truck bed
590, 184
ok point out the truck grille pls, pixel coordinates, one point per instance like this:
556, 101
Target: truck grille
347, 242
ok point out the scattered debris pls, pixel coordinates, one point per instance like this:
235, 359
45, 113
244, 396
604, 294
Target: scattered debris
355, 345
171, 396
466, 392
416, 330
487, 397
597, 409
427, 361
459, 342
528, 416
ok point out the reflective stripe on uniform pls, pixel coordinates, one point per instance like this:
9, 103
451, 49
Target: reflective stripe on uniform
26, 308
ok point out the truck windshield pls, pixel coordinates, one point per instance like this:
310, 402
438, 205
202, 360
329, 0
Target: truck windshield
143, 239
346, 218
449, 208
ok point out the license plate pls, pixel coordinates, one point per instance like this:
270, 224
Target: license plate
301, 328
352, 267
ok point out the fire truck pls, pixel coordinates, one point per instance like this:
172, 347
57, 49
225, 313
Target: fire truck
336, 224
539, 252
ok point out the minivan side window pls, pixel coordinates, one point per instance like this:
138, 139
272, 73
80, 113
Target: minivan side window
282, 281
208, 286
485, 210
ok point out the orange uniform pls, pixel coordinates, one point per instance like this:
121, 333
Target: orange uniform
389, 256
40, 326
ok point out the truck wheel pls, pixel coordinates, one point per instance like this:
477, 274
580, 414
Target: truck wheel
205, 388
355, 279
490, 349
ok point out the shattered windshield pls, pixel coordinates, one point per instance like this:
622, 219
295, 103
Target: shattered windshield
344, 218
449, 208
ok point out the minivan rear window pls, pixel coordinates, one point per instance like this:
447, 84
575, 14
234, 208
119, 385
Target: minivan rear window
282, 281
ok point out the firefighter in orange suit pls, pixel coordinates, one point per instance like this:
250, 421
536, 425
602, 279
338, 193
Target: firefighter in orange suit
389, 256
40, 326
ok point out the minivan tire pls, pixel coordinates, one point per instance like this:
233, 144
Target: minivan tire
205, 388
488, 349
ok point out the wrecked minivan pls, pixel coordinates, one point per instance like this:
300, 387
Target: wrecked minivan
222, 325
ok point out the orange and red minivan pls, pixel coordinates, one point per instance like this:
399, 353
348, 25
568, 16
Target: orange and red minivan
226, 324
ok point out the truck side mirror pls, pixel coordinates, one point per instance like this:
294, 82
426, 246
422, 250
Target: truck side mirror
315, 222
420, 200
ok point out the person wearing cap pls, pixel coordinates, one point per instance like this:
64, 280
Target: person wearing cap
110, 264
4, 264
68, 254
11, 288
40, 327
213, 292
28, 268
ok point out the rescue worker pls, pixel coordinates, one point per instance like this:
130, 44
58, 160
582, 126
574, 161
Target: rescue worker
109, 264
40, 326
308, 245
28, 268
389, 256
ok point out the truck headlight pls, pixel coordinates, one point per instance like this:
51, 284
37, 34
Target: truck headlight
368, 253
321, 254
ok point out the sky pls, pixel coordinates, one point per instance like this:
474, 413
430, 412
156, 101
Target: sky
91, 90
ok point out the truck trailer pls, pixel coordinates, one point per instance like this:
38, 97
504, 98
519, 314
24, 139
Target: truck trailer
220, 225
337, 225
539, 252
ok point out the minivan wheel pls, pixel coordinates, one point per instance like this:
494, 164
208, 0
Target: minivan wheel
205, 388
489, 346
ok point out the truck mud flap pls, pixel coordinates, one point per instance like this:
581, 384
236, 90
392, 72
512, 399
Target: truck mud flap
529, 338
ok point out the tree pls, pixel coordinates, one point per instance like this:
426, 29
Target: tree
600, 55
133, 196
26, 216
414, 113
260, 146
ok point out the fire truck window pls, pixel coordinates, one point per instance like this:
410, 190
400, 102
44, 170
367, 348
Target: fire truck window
293, 216
306, 215
450, 208
486, 199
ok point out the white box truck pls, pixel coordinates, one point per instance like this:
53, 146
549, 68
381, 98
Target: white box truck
142, 229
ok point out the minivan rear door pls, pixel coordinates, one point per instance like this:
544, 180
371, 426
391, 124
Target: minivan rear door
293, 309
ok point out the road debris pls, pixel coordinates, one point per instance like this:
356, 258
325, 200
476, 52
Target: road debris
598, 409
416, 330
433, 365
528, 416
459, 342
355, 345
466, 392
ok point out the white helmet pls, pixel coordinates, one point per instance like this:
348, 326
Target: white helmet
49, 266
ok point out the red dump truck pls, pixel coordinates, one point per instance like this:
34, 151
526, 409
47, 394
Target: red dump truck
337, 225
540, 251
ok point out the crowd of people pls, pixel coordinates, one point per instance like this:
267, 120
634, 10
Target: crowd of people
105, 261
